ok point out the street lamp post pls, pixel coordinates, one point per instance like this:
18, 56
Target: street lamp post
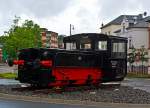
71, 28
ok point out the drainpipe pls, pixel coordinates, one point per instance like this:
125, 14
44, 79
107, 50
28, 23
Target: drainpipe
149, 49
149, 38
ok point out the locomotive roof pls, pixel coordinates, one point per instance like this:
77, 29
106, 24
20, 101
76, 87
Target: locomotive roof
93, 36
52, 50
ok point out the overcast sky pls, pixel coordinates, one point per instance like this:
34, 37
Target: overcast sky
56, 15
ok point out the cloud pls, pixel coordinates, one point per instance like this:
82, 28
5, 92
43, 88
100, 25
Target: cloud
39, 8
33, 9
56, 15
111, 9
44, 8
78, 14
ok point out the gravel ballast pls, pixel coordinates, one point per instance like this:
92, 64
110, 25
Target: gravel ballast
111, 94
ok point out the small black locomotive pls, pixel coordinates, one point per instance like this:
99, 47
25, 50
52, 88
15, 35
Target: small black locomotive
87, 58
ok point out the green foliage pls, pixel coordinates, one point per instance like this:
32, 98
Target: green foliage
132, 56
138, 55
3, 39
143, 54
60, 41
19, 37
8, 75
60, 38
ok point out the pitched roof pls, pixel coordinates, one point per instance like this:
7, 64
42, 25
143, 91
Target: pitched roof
119, 19
147, 19
142, 24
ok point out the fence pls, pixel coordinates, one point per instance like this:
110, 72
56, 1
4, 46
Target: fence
138, 69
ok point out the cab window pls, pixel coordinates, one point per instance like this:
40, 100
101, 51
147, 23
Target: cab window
118, 47
70, 46
85, 46
102, 45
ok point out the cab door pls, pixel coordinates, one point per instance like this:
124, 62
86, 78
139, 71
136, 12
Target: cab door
118, 59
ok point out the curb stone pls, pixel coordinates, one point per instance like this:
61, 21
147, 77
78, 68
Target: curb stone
70, 102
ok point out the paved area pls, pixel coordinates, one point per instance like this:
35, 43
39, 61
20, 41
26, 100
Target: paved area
4, 68
9, 82
27, 103
23, 104
138, 83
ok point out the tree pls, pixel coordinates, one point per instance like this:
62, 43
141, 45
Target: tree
131, 58
143, 56
138, 55
2, 42
3, 39
19, 37
60, 41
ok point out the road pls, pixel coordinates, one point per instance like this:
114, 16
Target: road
22, 104
5, 103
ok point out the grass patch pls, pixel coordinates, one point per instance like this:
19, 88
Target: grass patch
134, 75
8, 75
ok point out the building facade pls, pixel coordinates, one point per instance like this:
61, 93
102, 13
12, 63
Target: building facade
137, 29
134, 27
109, 30
49, 38
120, 22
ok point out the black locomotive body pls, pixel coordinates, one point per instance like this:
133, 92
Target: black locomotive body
87, 58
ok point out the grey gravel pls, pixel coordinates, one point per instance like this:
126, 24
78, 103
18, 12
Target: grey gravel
116, 94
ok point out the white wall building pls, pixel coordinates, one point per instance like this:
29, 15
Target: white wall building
138, 35
135, 27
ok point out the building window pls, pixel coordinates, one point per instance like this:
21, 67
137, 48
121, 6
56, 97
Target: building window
130, 42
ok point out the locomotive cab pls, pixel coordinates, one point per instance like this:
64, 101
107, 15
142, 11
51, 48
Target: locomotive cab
111, 50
